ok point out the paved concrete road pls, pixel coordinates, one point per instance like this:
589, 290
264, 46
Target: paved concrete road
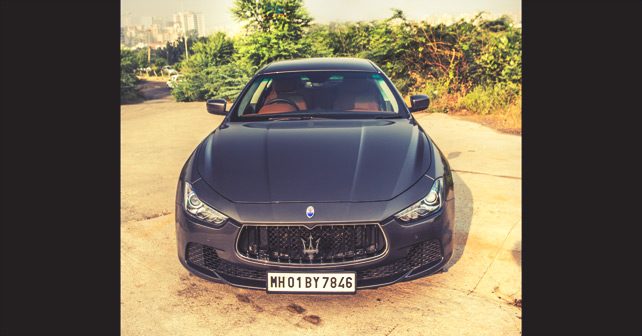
475, 297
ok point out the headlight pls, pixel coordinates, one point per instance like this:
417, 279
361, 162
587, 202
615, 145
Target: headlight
426, 206
195, 207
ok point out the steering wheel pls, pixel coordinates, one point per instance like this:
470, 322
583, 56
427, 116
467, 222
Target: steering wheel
282, 100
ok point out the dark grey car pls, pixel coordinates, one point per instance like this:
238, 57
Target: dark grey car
318, 180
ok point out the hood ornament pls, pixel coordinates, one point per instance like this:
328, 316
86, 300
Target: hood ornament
309, 211
311, 250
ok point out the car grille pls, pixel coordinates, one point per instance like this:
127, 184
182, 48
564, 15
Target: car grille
323, 244
205, 259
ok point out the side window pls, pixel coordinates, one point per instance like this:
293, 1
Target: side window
388, 97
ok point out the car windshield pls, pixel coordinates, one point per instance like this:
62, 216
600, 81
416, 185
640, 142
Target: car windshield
319, 94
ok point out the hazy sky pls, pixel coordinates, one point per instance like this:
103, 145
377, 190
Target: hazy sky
218, 17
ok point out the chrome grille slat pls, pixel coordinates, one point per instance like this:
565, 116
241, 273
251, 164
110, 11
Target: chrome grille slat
337, 243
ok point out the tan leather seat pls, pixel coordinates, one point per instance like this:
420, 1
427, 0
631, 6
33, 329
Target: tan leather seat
357, 95
285, 88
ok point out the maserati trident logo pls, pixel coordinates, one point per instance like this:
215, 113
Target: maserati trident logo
310, 250
309, 212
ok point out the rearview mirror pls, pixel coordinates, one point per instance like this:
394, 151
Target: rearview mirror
216, 106
419, 102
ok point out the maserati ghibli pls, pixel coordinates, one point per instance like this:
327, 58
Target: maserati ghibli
317, 180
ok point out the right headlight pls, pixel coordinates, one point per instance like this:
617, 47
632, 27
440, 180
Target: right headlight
195, 207
426, 206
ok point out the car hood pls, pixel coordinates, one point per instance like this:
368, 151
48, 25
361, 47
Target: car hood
314, 160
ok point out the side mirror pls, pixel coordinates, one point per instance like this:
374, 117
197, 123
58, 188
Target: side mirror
216, 106
419, 102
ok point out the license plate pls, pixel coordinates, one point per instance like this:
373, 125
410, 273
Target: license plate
294, 282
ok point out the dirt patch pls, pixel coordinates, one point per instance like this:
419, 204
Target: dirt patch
149, 88
155, 215
192, 291
508, 298
295, 308
391, 330
243, 298
154, 89
505, 123
246, 299
313, 319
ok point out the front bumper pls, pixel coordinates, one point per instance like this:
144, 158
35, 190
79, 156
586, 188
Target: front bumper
398, 264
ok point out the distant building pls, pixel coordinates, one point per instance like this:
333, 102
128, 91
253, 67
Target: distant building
157, 31
190, 21
146, 21
159, 21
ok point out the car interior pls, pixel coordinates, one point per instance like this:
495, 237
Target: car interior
319, 92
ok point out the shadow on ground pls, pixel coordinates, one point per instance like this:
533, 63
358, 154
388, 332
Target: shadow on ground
517, 253
463, 218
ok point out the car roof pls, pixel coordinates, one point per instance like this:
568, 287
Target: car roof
320, 63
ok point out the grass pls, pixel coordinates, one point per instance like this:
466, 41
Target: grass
507, 120
497, 106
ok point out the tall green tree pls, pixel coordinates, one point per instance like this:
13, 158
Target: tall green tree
275, 30
174, 52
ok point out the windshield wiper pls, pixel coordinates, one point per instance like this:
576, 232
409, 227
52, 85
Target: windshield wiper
388, 117
296, 118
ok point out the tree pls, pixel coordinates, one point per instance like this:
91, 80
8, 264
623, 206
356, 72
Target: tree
276, 30
349, 39
391, 45
212, 71
269, 15
217, 49
174, 52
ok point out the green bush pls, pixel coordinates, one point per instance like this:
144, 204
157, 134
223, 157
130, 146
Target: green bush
212, 71
470, 64
128, 80
215, 50
127, 87
222, 81
435, 88
501, 59
487, 99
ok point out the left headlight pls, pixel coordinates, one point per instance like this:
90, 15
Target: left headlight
195, 207
426, 206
